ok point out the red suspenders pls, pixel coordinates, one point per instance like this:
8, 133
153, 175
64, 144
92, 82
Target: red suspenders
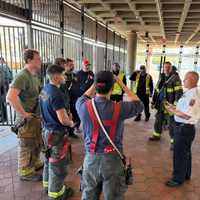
96, 127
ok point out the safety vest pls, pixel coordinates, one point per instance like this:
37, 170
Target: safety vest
108, 123
135, 87
117, 90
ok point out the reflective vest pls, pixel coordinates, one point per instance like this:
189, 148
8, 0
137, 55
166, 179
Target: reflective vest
135, 86
108, 123
117, 90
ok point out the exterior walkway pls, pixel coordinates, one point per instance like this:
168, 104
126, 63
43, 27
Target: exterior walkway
152, 164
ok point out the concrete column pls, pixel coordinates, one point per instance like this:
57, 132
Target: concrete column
131, 52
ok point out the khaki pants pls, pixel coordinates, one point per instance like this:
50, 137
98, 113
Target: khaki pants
29, 147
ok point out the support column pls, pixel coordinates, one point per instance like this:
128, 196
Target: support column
131, 52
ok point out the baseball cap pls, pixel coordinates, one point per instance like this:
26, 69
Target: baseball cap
86, 61
104, 81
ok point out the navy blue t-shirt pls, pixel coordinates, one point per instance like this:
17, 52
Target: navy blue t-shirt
51, 100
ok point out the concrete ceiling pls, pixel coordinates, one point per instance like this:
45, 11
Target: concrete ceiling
175, 21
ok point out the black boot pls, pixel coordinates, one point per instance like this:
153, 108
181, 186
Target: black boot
154, 138
138, 118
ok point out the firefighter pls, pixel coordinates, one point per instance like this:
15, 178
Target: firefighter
55, 119
143, 87
186, 114
117, 93
102, 168
85, 76
23, 96
169, 89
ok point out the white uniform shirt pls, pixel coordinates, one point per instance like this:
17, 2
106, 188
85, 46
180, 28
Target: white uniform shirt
189, 104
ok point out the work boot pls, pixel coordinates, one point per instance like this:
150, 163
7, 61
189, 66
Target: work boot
38, 165
154, 138
33, 178
69, 192
138, 118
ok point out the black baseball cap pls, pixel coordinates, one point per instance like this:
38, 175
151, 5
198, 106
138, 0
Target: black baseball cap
104, 81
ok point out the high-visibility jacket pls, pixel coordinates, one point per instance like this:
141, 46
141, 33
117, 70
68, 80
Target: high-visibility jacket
117, 90
147, 84
171, 90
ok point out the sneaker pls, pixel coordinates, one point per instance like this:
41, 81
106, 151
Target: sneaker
172, 183
154, 138
33, 178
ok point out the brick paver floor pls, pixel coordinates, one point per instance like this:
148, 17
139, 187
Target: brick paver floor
152, 166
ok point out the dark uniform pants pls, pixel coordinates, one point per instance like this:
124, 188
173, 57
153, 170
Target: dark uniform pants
183, 138
54, 172
160, 119
116, 97
145, 100
103, 172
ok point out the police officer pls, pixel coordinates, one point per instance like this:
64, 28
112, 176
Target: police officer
168, 88
117, 93
143, 87
73, 86
55, 118
23, 96
103, 168
187, 114
85, 76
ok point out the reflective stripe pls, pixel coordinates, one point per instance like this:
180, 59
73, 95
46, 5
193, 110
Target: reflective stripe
170, 90
25, 172
45, 184
57, 194
117, 90
176, 88
156, 134
135, 86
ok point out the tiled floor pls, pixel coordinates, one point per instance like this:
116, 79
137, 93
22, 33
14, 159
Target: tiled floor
152, 164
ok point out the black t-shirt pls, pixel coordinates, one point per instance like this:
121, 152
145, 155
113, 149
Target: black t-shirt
85, 79
51, 100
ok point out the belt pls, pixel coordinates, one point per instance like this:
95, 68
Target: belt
185, 125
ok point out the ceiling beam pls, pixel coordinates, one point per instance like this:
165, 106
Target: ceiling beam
132, 6
136, 13
114, 13
193, 34
184, 14
158, 6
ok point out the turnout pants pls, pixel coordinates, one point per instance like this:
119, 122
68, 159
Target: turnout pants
55, 165
183, 138
29, 147
160, 118
103, 172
